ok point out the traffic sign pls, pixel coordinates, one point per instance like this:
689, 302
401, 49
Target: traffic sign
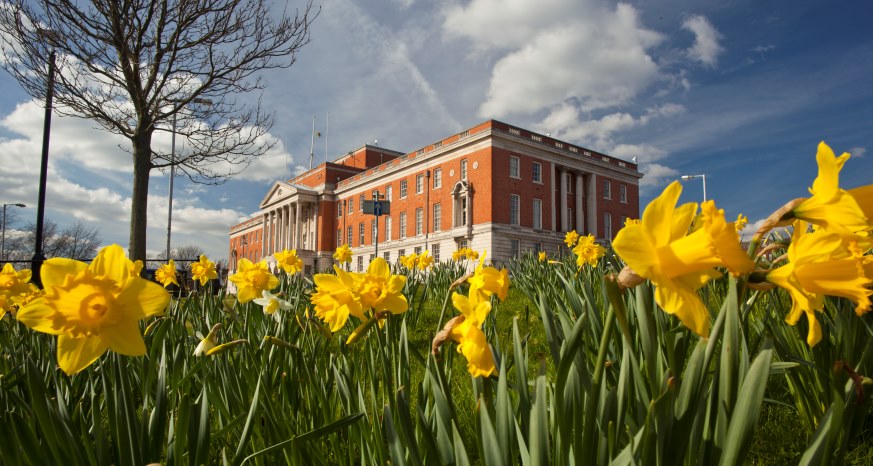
377, 208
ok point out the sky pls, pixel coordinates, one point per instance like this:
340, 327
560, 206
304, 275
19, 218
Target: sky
741, 91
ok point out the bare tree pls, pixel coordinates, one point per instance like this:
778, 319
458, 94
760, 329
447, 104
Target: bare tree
77, 241
140, 66
187, 254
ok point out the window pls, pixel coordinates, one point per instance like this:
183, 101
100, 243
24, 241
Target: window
373, 231
463, 211
622, 193
513, 209
351, 204
513, 167
437, 217
349, 233
437, 178
372, 256
402, 189
387, 228
537, 212
569, 180
388, 192
419, 221
419, 183
435, 252
339, 209
401, 253
464, 169
418, 249
537, 172
607, 191
462, 244
403, 225
361, 234
339, 237
607, 225
538, 247
387, 256
363, 196
514, 247
360, 263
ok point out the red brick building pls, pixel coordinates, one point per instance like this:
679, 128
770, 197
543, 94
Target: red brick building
494, 187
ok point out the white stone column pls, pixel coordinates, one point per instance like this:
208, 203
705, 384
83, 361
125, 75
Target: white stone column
580, 207
554, 206
289, 227
280, 220
264, 235
562, 179
592, 204
297, 227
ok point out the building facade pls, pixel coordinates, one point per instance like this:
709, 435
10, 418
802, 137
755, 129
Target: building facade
494, 187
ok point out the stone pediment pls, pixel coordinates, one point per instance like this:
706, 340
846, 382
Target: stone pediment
282, 190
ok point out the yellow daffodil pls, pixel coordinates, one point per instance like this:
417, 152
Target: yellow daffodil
409, 261
819, 265
831, 207
457, 255
272, 303
469, 336
252, 279
136, 268
92, 308
864, 197
204, 270
740, 222
425, 260
12, 284
489, 281
166, 274
334, 299
379, 290
472, 255
631, 221
343, 254
571, 238
288, 261
542, 257
587, 251
678, 263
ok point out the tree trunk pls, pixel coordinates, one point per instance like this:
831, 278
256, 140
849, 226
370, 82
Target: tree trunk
142, 165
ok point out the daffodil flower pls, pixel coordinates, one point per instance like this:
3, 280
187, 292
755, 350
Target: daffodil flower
204, 270
92, 308
820, 264
343, 254
489, 281
379, 290
542, 257
571, 238
288, 261
587, 251
252, 279
208, 342
166, 274
469, 336
271, 303
425, 260
334, 299
661, 249
13, 284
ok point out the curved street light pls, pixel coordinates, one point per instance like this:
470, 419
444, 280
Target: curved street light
691, 177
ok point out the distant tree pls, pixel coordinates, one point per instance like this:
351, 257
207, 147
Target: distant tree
187, 253
140, 66
76, 241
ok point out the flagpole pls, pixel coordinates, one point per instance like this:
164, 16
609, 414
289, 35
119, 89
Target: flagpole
326, 134
312, 146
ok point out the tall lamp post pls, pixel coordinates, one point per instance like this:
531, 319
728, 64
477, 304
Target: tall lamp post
3, 241
691, 177
205, 102
38, 256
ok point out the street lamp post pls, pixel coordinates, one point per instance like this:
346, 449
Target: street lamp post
703, 177
38, 256
205, 102
3, 241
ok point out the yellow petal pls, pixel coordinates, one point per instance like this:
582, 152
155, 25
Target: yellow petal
684, 304
75, 354
111, 262
143, 298
54, 271
632, 244
657, 218
124, 339
864, 198
38, 316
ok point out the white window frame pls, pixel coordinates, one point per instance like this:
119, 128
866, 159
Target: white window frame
360, 263
419, 221
622, 193
437, 178
463, 169
403, 189
339, 209
387, 228
373, 231
607, 225
361, 234
389, 191
537, 172
351, 204
351, 233
514, 167
419, 183
537, 213
607, 190
363, 197
402, 225
569, 180
437, 216
514, 209
514, 247
435, 252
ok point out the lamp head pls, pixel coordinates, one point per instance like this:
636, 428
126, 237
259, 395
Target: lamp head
688, 177
20, 205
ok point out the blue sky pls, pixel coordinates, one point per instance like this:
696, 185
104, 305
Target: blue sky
741, 91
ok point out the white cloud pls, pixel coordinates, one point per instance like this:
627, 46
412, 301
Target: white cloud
858, 152
656, 175
645, 153
763, 48
595, 56
706, 47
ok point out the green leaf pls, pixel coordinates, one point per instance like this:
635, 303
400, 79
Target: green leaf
747, 410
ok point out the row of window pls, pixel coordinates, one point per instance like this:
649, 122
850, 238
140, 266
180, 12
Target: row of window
389, 191
537, 214
537, 177
434, 252
419, 226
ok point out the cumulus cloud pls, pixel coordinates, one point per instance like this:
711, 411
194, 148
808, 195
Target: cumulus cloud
706, 47
655, 174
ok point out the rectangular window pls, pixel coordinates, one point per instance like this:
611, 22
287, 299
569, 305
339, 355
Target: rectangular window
418, 249
351, 204
419, 183
363, 197
569, 180
463, 169
387, 228
360, 263
373, 230
402, 189
361, 234
372, 256
437, 217
339, 209
462, 244
622, 193
538, 247
437, 178
607, 225
513, 209
349, 236
514, 247
339, 237
464, 211
388, 192
435, 252
537, 212
403, 224
401, 253
387, 256
419, 221
537, 172
513, 167
607, 190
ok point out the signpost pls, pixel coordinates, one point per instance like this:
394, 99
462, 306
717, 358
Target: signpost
377, 208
